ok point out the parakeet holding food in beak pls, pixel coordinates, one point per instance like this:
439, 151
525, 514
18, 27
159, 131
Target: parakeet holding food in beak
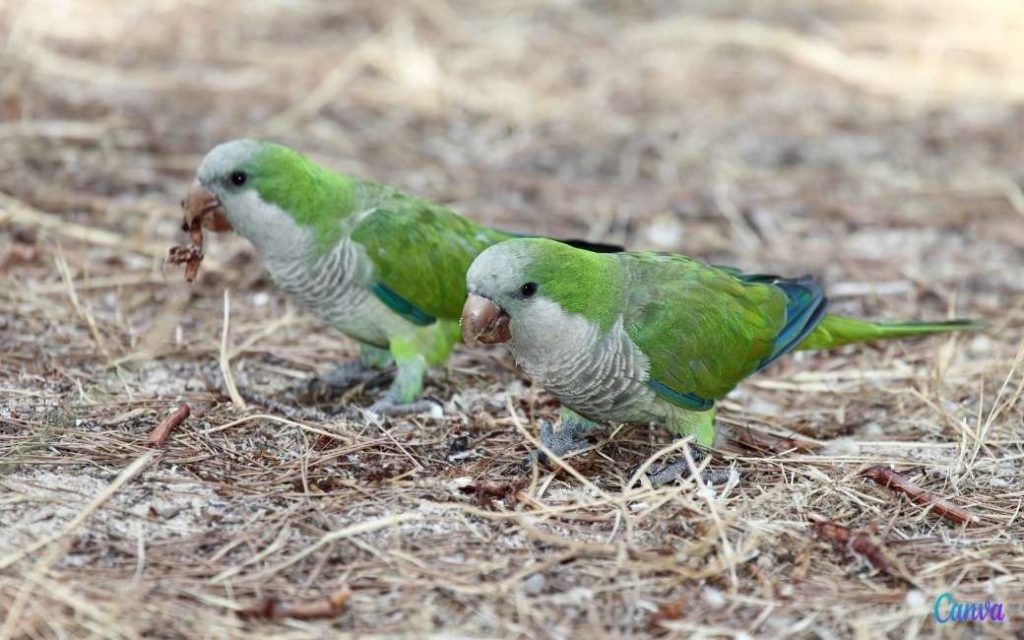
383, 267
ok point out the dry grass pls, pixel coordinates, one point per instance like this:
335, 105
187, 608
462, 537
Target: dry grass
876, 144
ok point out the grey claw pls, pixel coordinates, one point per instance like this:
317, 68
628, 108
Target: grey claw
681, 469
663, 474
531, 459
717, 476
560, 443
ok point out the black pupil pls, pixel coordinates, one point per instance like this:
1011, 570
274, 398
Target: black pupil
529, 289
238, 178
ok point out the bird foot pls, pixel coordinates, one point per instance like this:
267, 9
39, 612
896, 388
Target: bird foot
663, 474
560, 442
338, 380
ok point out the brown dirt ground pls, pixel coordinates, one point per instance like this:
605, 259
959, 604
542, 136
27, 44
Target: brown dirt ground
875, 144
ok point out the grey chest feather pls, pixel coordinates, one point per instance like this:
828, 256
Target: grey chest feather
331, 286
601, 375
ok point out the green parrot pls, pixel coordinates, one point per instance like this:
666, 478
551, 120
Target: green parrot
384, 268
647, 337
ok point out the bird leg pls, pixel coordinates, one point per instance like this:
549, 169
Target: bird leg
401, 398
341, 378
562, 441
663, 474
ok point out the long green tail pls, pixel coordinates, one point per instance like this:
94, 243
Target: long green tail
835, 331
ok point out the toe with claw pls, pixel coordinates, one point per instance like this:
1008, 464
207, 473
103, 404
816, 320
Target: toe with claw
560, 441
663, 474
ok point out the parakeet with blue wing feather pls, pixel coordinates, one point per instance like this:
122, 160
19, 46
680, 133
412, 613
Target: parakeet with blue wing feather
647, 337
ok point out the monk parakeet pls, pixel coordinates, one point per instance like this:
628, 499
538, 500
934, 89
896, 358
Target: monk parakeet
646, 337
382, 267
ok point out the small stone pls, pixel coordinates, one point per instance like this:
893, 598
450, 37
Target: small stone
436, 411
580, 596
456, 485
870, 430
915, 599
980, 345
714, 597
841, 447
534, 584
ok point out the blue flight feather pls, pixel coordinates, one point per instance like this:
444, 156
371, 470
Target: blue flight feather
805, 309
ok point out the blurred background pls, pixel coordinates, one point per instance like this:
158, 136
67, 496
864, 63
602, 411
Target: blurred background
875, 143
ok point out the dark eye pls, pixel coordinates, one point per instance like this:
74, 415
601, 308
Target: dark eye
528, 289
238, 178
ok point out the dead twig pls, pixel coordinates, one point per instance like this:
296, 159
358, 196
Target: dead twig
861, 542
326, 607
163, 430
486, 490
890, 479
667, 611
191, 255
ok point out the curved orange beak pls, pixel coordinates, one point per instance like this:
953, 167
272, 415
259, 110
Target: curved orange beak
484, 322
202, 204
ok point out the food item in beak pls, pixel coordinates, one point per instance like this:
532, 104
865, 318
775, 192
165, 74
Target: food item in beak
202, 210
203, 206
192, 255
484, 322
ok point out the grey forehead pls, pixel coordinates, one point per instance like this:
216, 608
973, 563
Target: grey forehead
501, 262
225, 157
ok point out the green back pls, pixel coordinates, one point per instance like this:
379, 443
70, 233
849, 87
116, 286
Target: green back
704, 329
420, 253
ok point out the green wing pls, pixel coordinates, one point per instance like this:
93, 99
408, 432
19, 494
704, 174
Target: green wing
420, 253
704, 328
